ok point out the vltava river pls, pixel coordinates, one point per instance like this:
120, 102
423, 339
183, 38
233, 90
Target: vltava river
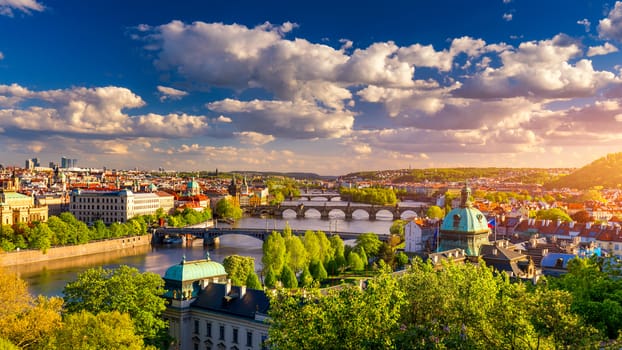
50, 278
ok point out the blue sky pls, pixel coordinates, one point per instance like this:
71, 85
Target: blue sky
322, 86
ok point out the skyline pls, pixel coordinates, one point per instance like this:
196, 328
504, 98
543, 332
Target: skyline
323, 87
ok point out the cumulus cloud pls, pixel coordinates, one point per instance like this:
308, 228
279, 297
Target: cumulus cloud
540, 69
169, 93
295, 120
7, 7
253, 138
611, 26
89, 112
604, 49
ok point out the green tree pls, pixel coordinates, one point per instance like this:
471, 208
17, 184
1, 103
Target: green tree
306, 280
252, 281
355, 262
123, 289
349, 318
401, 259
226, 208
297, 257
238, 268
270, 279
553, 214
274, 252
434, 212
288, 278
370, 242
106, 330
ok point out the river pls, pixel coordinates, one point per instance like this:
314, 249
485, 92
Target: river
50, 278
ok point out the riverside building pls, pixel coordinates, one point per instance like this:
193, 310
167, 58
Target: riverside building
116, 206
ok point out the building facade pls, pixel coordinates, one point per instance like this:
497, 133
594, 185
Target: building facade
115, 206
206, 312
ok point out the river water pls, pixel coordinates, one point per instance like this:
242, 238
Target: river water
50, 278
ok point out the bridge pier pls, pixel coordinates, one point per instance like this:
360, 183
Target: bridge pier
211, 242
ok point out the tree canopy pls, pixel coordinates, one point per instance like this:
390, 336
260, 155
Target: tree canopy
125, 290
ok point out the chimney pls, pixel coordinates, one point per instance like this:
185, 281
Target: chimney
242, 291
494, 251
228, 287
588, 225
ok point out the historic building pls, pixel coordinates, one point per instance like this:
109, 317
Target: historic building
206, 312
464, 227
116, 206
16, 207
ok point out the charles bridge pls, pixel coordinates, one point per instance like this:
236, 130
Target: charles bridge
325, 208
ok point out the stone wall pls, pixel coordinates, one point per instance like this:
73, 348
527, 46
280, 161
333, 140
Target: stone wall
36, 256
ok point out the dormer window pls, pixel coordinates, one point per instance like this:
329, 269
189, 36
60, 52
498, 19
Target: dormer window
456, 220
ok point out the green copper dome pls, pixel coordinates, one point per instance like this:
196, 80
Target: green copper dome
194, 270
464, 227
465, 218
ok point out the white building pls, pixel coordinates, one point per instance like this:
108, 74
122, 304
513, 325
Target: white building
206, 312
115, 206
413, 238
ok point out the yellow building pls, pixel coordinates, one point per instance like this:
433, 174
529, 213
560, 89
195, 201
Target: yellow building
16, 207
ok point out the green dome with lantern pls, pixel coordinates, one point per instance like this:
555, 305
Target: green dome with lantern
464, 227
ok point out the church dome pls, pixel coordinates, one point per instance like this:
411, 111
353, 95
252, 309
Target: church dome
466, 218
194, 270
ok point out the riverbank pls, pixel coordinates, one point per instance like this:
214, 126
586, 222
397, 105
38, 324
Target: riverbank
25, 257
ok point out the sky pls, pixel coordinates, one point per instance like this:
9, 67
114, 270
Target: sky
329, 87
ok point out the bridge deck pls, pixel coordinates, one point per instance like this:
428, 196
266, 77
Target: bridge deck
258, 233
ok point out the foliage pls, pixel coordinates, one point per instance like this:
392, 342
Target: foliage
25, 321
270, 279
369, 242
349, 316
397, 228
401, 259
553, 214
106, 330
274, 252
252, 281
123, 289
181, 218
297, 257
434, 212
355, 262
371, 195
306, 280
226, 208
238, 268
288, 278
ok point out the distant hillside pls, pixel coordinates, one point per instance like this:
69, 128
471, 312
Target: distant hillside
295, 175
519, 175
606, 172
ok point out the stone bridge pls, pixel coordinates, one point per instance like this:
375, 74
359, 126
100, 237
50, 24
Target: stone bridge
329, 196
325, 208
210, 235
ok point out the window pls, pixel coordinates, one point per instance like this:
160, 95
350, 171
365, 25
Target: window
222, 332
264, 346
249, 338
196, 326
235, 336
208, 329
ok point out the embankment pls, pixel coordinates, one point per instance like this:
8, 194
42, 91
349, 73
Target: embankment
36, 256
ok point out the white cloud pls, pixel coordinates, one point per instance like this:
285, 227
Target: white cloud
611, 26
253, 138
541, 69
223, 119
89, 112
585, 23
295, 120
169, 93
1, 55
507, 17
604, 49
7, 7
